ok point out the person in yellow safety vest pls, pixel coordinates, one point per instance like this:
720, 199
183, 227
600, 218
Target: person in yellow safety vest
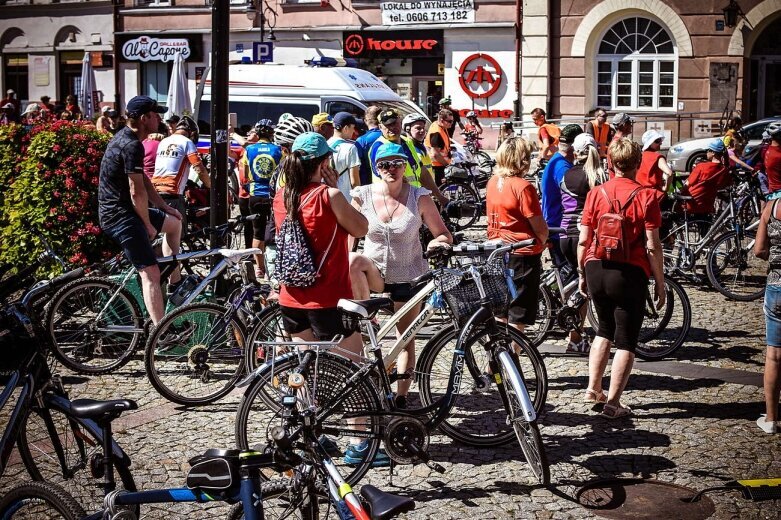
438, 143
417, 174
601, 131
548, 135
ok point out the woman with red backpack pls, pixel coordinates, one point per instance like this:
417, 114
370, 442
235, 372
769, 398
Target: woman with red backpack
618, 250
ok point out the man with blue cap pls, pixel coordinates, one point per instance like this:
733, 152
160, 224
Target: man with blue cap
346, 159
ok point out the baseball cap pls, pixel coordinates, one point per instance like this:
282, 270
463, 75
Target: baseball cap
173, 119
311, 145
389, 116
389, 150
10, 91
569, 133
445, 101
342, 119
582, 142
622, 118
321, 119
717, 145
140, 105
8, 105
32, 107
650, 136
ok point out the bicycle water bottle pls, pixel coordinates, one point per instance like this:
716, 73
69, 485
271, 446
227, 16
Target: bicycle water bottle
186, 287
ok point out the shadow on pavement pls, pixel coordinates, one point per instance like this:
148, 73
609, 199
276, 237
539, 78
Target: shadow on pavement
637, 382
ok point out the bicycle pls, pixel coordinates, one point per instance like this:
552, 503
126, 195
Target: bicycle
345, 391
485, 164
461, 188
230, 476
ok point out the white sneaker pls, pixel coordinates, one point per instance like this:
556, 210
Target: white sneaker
581, 347
767, 426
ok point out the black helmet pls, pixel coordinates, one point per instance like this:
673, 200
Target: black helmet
187, 123
265, 128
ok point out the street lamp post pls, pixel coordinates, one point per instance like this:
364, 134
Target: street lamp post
260, 9
731, 14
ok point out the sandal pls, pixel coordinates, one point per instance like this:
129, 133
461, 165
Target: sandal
592, 396
582, 347
616, 412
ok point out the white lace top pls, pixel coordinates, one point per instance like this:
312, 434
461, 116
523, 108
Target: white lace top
394, 247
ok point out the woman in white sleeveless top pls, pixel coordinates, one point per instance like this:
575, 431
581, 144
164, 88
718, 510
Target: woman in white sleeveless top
392, 253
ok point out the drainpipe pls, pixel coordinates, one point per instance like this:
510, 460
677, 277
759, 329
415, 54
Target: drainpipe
115, 21
518, 42
548, 97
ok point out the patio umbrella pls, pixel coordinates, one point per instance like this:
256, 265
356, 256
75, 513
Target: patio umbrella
88, 95
178, 94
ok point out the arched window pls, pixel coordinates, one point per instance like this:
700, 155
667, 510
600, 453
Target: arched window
637, 66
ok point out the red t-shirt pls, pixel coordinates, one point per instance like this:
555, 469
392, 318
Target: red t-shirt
509, 204
642, 214
150, 155
773, 167
704, 183
318, 221
649, 174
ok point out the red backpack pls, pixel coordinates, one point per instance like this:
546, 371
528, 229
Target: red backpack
611, 235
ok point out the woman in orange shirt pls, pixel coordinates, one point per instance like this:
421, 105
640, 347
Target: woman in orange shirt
514, 214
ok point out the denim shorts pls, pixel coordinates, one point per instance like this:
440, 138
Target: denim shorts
134, 240
772, 310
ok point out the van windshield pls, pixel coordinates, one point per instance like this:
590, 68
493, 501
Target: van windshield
250, 112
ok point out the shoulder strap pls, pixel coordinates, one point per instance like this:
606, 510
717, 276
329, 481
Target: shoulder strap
629, 200
310, 195
612, 202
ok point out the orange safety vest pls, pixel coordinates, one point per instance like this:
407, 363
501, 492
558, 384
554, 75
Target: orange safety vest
553, 132
445, 137
600, 136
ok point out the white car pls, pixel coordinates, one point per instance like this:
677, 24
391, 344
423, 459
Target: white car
684, 155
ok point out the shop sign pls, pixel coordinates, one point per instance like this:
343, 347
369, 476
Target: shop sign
480, 76
145, 48
393, 44
487, 114
428, 11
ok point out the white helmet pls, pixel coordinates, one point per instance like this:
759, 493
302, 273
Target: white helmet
773, 129
412, 118
471, 113
287, 131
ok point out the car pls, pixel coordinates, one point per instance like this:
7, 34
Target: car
684, 155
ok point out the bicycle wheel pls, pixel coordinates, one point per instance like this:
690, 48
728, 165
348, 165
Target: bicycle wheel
267, 329
527, 432
282, 499
663, 332
196, 354
95, 325
478, 417
544, 321
79, 449
325, 385
469, 210
733, 268
37, 500
484, 163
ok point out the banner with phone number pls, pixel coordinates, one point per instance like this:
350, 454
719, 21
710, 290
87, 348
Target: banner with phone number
428, 11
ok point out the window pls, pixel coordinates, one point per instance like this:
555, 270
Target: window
155, 76
16, 75
250, 112
637, 65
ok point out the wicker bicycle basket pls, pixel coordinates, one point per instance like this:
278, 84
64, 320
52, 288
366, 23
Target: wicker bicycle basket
463, 297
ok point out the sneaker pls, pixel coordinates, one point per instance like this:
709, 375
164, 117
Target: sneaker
767, 426
581, 347
330, 446
356, 454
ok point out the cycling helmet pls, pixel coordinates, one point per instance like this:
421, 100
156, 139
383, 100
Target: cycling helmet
774, 130
187, 123
410, 119
286, 115
287, 131
264, 128
471, 113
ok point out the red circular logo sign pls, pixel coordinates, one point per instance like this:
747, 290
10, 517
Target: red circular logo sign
480, 76
354, 44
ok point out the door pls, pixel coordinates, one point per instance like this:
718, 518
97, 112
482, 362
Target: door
770, 89
426, 93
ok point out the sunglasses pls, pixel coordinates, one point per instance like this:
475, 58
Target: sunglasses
448, 120
391, 165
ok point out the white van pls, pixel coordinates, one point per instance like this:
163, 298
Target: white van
259, 91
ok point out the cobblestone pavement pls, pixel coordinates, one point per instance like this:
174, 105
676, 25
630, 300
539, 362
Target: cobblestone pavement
696, 432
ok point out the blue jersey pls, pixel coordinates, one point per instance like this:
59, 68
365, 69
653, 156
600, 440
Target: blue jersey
262, 159
552, 209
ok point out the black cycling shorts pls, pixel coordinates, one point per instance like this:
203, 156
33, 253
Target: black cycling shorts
262, 207
325, 323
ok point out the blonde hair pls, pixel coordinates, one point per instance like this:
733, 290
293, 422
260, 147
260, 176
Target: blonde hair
592, 165
513, 157
625, 155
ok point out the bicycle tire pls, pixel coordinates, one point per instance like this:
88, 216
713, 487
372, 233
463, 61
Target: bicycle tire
478, 417
36, 450
278, 503
457, 191
659, 341
484, 163
725, 254
27, 502
81, 345
527, 432
545, 320
254, 417
195, 356
267, 329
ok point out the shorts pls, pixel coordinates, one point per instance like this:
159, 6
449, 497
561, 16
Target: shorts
400, 292
178, 203
772, 308
618, 291
325, 323
527, 270
569, 247
439, 174
259, 206
133, 239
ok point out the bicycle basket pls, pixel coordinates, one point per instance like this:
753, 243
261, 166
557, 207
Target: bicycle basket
463, 298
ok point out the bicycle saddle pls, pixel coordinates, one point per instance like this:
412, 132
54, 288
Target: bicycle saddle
557, 231
678, 196
101, 410
365, 308
384, 505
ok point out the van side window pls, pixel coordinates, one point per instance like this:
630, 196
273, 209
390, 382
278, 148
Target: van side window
248, 113
334, 107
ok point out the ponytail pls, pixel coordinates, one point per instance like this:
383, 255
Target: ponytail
297, 173
592, 166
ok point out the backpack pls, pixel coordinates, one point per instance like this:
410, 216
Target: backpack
295, 262
611, 233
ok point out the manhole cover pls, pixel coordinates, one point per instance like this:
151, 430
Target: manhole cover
636, 499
